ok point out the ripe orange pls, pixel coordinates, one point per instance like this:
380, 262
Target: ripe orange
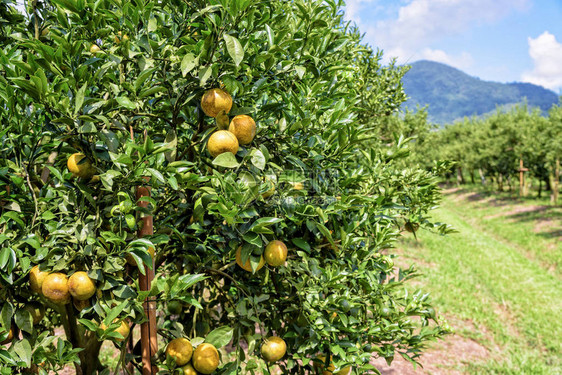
297, 185
94, 48
11, 333
222, 141
205, 358
268, 193
36, 310
247, 266
411, 227
214, 101
188, 370
123, 329
273, 349
121, 37
132, 262
55, 288
244, 128
80, 169
80, 286
81, 305
330, 370
275, 253
36, 278
180, 350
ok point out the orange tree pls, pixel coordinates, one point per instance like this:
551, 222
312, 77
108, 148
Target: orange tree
284, 233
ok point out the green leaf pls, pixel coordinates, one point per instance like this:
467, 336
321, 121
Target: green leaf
227, 160
204, 75
188, 63
234, 48
258, 159
79, 101
220, 337
23, 350
126, 103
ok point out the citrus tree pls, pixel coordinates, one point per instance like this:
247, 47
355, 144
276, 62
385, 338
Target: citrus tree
247, 131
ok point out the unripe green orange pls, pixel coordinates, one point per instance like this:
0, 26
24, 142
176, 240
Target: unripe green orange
275, 253
273, 349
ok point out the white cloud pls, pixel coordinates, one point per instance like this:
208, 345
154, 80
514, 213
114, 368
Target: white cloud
546, 53
418, 24
462, 61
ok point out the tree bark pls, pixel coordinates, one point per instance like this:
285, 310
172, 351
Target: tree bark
482, 176
500, 182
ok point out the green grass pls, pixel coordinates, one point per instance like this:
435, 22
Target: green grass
492, 274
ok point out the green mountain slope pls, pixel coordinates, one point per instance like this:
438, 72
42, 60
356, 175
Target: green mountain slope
452, 94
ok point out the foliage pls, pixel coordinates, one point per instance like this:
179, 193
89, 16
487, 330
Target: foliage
496, 144
317, 94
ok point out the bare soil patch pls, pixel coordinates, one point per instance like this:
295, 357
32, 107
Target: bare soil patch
447, 357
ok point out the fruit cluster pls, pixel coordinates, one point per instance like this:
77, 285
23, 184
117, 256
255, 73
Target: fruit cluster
204, 359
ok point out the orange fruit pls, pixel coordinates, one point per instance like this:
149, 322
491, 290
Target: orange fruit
188, 370
205, 358
36, 278
222, 141
411, 227
215, 101
244, 128
123, 329
273, 349
36, 310
268, 193
94, 48
81, 305
80, 286
275, 253
331, 367
80, 169
180, 350
55, 288
297, 185
11, 333
121, 37
132, 262
247, 266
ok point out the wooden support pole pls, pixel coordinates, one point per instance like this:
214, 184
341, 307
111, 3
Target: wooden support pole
149, 343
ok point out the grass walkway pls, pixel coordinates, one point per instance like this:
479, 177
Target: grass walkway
481, 277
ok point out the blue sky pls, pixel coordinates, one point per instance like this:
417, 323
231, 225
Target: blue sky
496, 40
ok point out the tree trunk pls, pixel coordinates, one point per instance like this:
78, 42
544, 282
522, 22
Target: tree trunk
460, 177
500, 182
540, 187
482, 177
472, 176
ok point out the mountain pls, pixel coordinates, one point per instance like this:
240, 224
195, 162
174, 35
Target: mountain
452, 94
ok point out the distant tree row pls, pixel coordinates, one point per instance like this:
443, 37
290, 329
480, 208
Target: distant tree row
490, 148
